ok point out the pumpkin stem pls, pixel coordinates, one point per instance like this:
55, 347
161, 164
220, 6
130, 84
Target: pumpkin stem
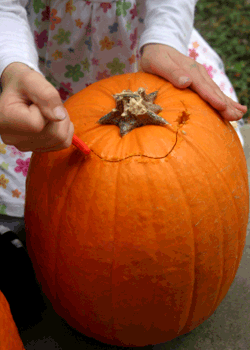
134, 109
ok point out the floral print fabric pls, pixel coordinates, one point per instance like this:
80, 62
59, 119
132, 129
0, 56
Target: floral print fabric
13, 171
201, 52
80, 42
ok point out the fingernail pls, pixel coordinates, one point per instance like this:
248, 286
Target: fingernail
59, 113
236, 113
183, 80
239, 114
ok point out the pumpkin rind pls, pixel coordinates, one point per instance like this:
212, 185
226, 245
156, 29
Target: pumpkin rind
139, 242
9, 336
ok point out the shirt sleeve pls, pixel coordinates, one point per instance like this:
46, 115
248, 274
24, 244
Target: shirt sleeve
169, 22
16, 40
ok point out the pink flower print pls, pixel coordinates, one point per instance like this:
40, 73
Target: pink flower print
133, 38
102, 75
41, 38
97, 19
106, 6
231, 90
15, 152
67, 86
193, 54
95, 62
46, 14
119, 43
222, 86
90, 29
63, 93
65, 90
23, 166
209, 70
133, 12
88, 2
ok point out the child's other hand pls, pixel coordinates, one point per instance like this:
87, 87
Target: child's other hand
27, 116
173, 66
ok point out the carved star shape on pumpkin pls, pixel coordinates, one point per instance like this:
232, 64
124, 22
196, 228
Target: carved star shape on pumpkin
134, 109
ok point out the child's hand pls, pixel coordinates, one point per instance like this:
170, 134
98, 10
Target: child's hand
27, 119
173, 66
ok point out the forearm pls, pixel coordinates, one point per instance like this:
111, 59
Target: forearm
169, 22
16, 40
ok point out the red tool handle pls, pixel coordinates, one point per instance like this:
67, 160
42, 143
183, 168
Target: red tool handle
80, 145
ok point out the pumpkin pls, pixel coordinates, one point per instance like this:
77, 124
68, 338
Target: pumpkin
138, 242
9, 336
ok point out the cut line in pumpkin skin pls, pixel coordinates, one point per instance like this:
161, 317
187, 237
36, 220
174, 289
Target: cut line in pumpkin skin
137, 109
179, 126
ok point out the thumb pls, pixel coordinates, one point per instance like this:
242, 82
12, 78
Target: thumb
175, 75
171, 72
182, 81
44, 96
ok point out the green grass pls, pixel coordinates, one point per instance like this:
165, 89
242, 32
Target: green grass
225, 25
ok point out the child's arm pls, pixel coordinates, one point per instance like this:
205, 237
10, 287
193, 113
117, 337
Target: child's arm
169, 22
28, 101
164, 43
16, 40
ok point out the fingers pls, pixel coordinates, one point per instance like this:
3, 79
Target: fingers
32, 116
200, 79
207, 88
156, 60
44, 95
54, 137
25, 128
183, 72
61, 136
17, 118
33, 87
210, 92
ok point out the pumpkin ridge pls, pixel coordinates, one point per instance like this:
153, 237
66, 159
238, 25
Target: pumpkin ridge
195, 286
113, 258
192, 232
217, 300
58, 231
220, 293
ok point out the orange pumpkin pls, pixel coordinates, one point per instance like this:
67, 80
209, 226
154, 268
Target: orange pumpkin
9, 336
139, 242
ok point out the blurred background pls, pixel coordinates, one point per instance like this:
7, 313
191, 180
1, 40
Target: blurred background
225, 25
